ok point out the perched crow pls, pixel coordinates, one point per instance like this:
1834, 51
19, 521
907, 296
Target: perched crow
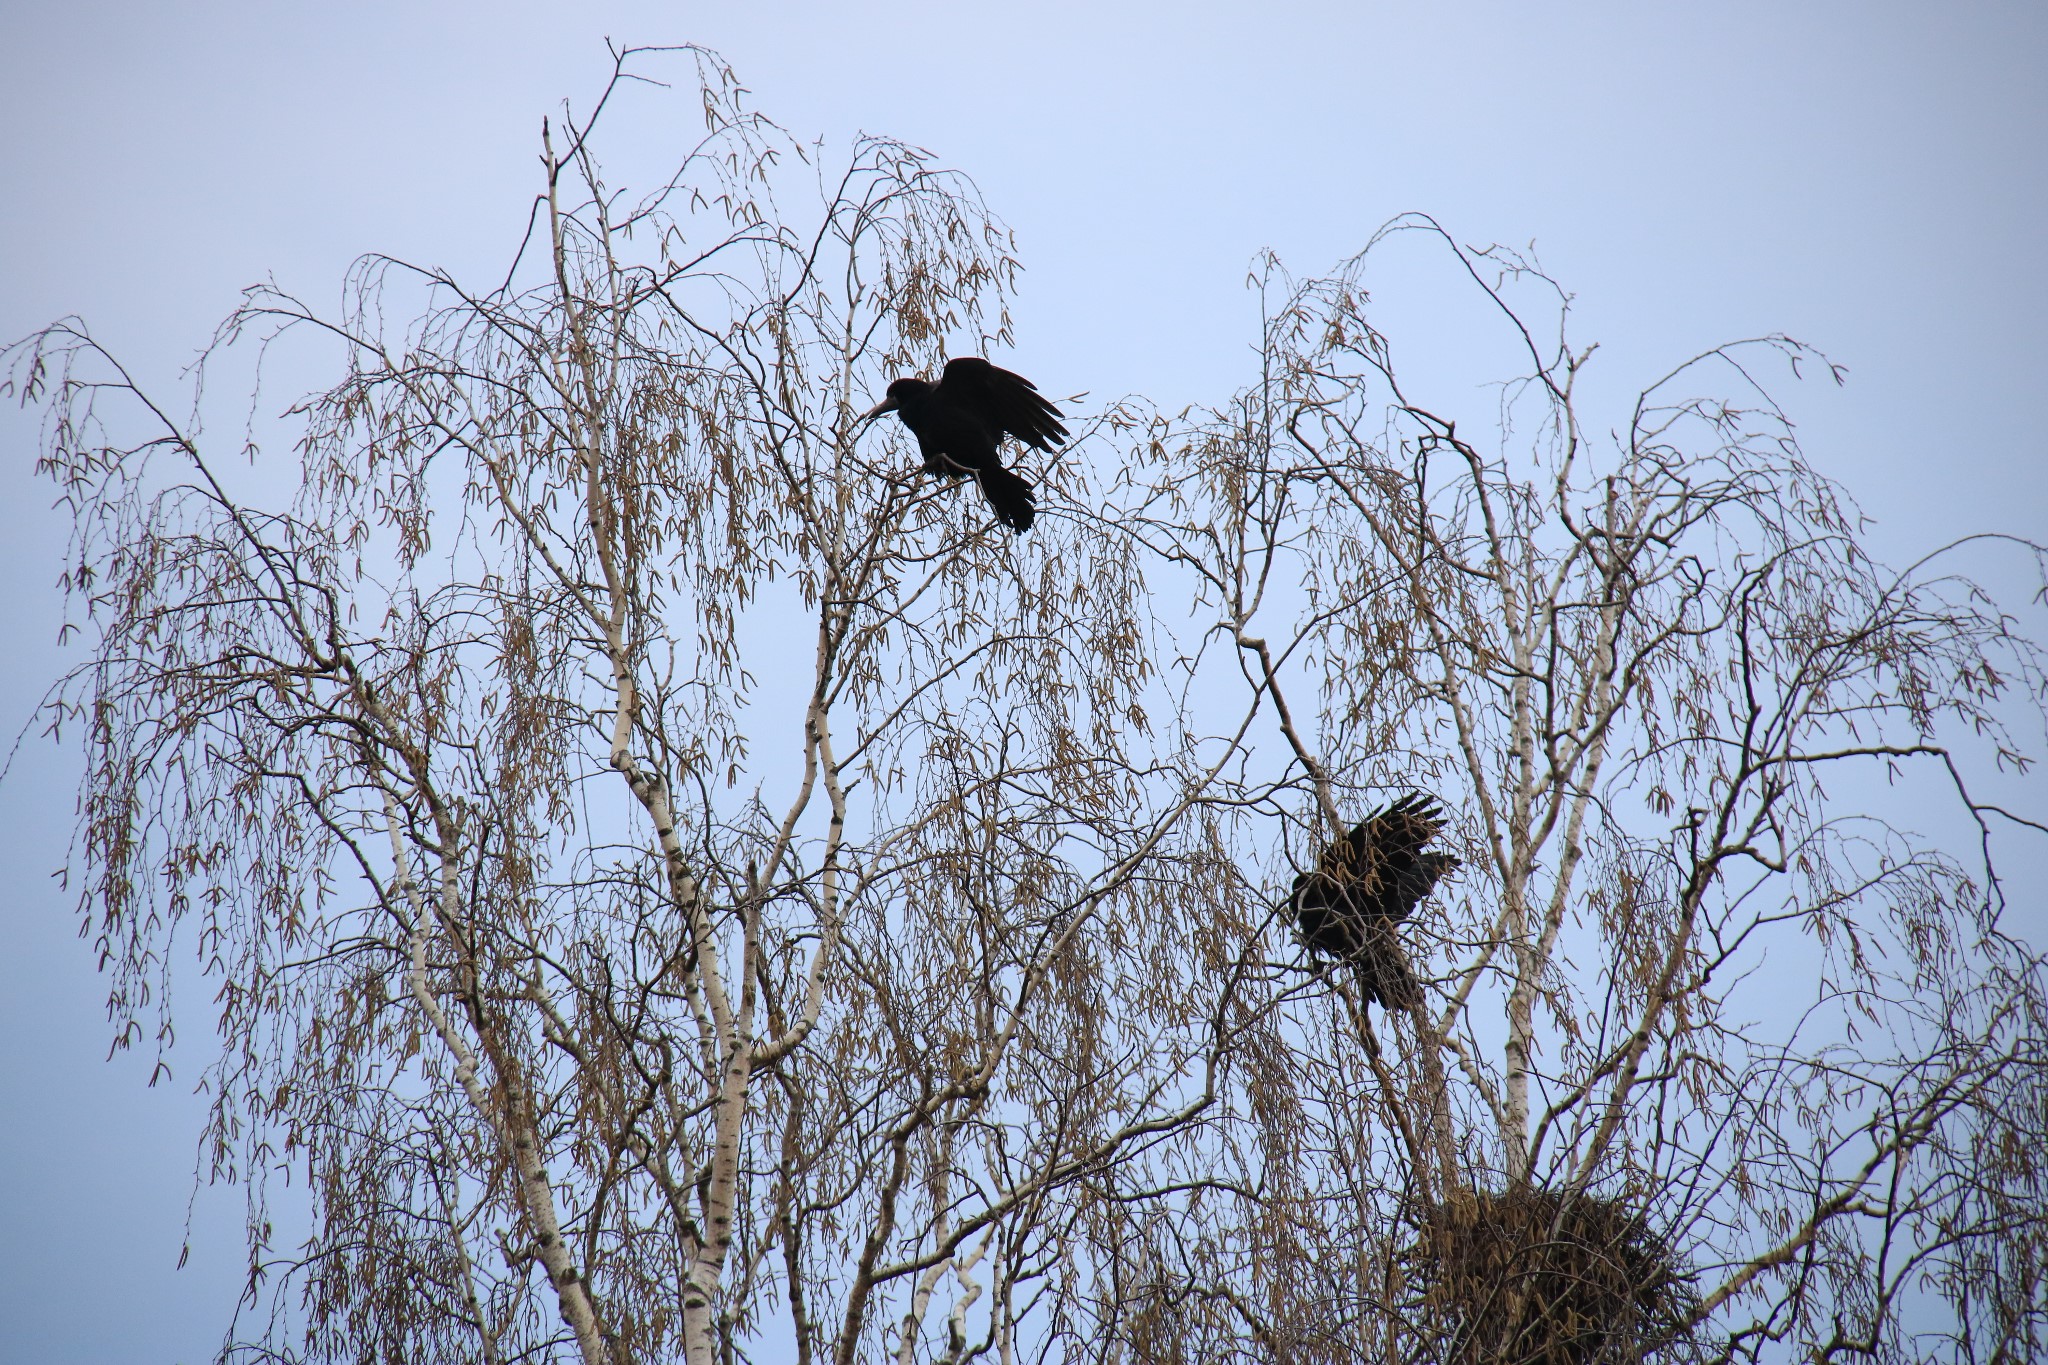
1364, 884
960, 421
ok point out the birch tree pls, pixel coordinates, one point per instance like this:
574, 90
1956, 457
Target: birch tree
1691, 986
675, 879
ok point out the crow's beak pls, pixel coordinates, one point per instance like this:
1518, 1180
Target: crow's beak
886, 405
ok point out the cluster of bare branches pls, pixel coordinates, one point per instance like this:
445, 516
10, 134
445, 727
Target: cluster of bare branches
1687, 975
682, 886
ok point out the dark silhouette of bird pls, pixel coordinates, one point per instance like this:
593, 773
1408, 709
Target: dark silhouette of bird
1365, 883
960, 421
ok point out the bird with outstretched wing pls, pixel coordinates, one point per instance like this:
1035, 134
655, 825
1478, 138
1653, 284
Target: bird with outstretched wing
1365, 883
960, 423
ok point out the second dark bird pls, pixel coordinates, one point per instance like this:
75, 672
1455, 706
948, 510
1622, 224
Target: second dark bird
1365, 883
960, 422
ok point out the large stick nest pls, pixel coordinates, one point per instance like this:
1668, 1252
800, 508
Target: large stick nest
1532, 1276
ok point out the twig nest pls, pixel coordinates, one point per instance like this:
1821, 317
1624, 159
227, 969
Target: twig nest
1531, 1276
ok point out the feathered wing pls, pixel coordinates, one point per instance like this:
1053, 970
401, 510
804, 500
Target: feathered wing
1408, 885
1399, 831
1347, 862
1396, 873
1008, 402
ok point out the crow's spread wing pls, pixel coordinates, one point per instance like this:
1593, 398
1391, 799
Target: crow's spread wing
1005, 401
1348, 862
1396, 835
1378, 868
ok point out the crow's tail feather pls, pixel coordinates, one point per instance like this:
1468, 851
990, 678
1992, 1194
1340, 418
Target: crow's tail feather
1010, 495
1384, 974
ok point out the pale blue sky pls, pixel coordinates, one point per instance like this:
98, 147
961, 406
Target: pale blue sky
1867, 177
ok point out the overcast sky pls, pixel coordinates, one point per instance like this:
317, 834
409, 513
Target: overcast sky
1866, 177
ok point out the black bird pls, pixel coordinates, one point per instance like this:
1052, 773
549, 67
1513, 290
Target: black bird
1364, 884
959, 422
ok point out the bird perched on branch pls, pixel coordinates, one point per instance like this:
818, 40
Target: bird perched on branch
1364, 884
960, 421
